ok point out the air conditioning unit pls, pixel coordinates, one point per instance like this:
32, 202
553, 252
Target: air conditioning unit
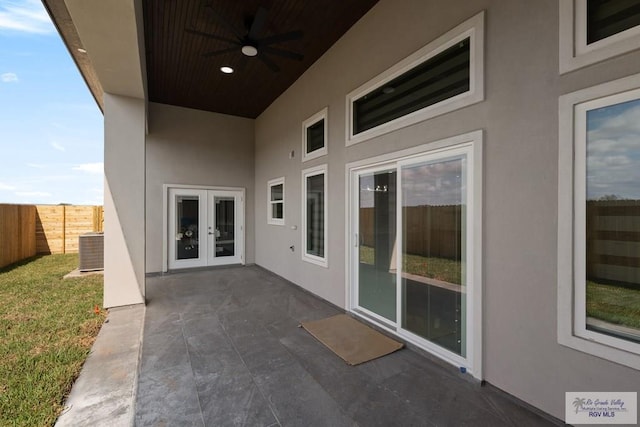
91, 251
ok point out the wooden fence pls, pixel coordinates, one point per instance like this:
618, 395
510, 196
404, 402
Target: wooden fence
27, 230
17, 233
613, 241
431, 231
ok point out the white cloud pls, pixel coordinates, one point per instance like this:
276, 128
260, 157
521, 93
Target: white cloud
6, 187
35, 165
57, 146
27, 16
32, 194
9, 78
94, 168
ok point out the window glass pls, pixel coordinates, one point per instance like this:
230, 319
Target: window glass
441, 77
606, 18
613, 220
315, 215
315, 136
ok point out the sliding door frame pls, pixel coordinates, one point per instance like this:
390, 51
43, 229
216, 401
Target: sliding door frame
470, 146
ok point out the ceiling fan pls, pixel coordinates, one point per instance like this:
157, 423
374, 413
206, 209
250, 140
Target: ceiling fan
247, 40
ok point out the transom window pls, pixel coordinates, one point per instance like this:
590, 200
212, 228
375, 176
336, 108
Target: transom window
443, 76
595, 30
275, 201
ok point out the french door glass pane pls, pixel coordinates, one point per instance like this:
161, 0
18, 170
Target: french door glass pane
433, 217
187, 225
377, 246
225, 226
613, 221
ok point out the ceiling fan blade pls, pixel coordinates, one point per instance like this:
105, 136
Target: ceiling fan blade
279, 38
258, 23
239, 33
212, 36
269, 63
282, 52
219, 52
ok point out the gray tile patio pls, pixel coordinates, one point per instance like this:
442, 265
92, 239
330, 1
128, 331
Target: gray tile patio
222, 347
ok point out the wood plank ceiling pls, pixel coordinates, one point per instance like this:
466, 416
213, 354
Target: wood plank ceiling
179, 73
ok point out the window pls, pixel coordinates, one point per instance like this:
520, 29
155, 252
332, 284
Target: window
594, 30
599, 223
314, 215
275, 201
443, 76
314, 136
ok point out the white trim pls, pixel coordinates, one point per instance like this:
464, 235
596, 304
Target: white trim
469, 145
321, 115
270, 219
472, 28
571, 308
306, 173
575, 52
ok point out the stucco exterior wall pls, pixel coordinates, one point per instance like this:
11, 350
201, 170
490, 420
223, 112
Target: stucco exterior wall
192, 147
520, 119
124, 207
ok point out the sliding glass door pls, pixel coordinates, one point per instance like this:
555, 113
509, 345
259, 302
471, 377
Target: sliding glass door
411, 267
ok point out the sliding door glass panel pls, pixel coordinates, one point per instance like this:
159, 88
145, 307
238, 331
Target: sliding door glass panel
377, 247
432, 276
224, 226
187, 220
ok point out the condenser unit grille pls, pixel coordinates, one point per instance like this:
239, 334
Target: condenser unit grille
91, 251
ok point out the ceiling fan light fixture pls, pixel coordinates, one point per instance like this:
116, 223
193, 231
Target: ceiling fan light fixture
249, 50
226, 70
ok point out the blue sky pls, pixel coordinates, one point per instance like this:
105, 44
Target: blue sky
51, 129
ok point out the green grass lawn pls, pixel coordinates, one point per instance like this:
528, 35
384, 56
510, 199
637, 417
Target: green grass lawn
47, 327
614, 304
442, 269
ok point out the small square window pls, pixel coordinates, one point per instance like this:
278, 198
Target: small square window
314, 136
275, 201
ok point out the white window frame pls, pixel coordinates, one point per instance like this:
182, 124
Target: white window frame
571, 308
575, 52
472, 145
307, 173
270, 219
321, 115
473, 29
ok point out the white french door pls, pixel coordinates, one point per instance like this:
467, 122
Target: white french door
414, 263
205, 227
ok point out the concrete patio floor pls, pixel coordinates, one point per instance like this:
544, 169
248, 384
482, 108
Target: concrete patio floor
223, 347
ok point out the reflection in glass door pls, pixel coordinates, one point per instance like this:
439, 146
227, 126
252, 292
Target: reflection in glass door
187, 226
433, 214
377, 246
225, 227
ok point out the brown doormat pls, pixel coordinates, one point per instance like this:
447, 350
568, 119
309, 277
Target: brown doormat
353, 341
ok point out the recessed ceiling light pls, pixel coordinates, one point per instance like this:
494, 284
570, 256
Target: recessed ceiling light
249, 50
81, 50
226, 70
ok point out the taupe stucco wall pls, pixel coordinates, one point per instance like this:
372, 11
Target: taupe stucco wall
193, 147
520, 118
124, 207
